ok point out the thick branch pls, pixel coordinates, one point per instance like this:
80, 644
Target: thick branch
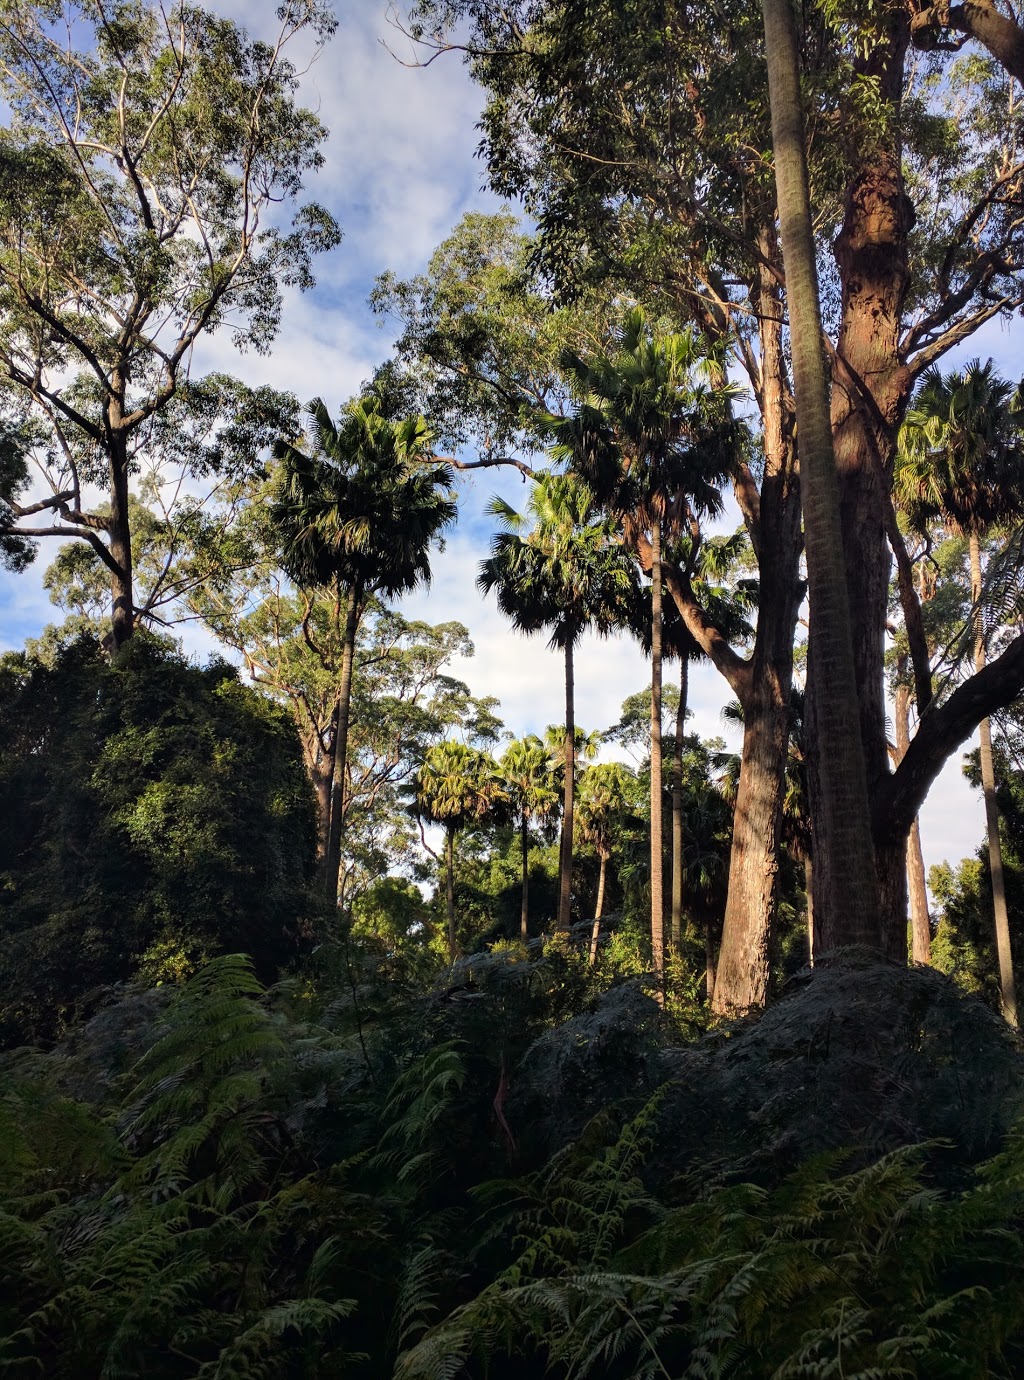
942, 731
978, 20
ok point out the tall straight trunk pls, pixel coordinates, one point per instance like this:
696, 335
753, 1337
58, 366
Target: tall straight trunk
568, 791
870, 387
809, 894
595, 933
742, 980
332, 871
449, 892
524, 909
119, 539
676, 921
657, 842
1007, 986
920, 924
322, 772
842, 829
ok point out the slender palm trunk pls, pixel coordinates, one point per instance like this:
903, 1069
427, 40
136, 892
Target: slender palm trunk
568, 791
449, 891
657, 842
595, 933
524, 909
323, 780
332, 871
842, 829
920, 924
1007, 986
676, 921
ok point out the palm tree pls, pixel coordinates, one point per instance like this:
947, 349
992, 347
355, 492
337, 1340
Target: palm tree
525, 777
567, 573
454, 787
961, 462
650, 438
844, 852
358, 515
606, 791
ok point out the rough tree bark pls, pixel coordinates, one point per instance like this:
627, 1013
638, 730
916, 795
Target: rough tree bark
333, 868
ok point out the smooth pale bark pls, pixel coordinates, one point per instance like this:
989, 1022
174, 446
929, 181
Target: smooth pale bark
763, 684
595, 933
323, 779
1007, 986
333, 869
920, 923
524, 909
920, 920
568, 791
657, 842
676, 918
809, 894
847, 911
449, 892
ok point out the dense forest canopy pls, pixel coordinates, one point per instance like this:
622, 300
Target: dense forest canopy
351, 1023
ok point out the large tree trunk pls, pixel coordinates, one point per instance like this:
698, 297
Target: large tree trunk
809, 897
1007, 986
524, 909
332, 871
775, 531
595, 933
119, 536
869, 392
657, 841
449, 892
568, 790
676, 921
743, 972
848, 912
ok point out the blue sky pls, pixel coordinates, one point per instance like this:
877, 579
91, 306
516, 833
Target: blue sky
400, 173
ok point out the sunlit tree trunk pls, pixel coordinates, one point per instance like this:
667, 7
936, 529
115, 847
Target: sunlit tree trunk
742, 974
657, 843
809, 893
676, 922
524, 909
920, 924
449, 892
568, 790
595, 933
842, 833
1007, 986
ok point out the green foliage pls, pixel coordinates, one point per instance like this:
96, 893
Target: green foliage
158, 813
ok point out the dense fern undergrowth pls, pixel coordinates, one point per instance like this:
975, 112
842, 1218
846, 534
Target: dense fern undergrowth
514, 1175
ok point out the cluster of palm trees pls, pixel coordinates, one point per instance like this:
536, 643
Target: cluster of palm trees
638, 464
